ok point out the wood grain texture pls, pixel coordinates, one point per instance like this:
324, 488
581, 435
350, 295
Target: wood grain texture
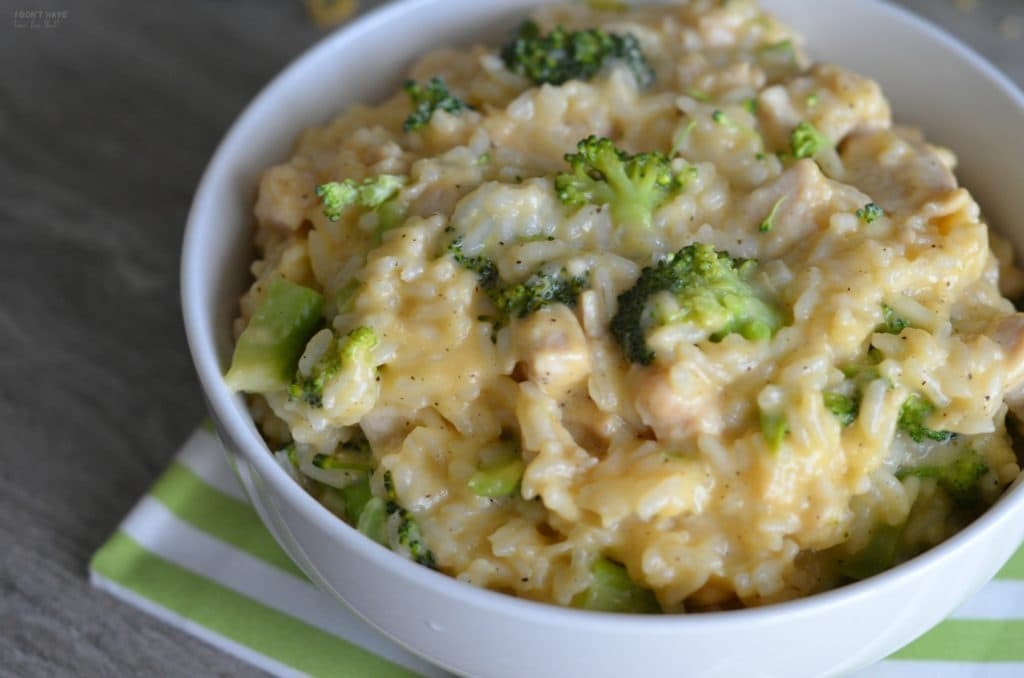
106, 122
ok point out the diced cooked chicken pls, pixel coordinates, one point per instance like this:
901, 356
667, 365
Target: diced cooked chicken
679, 403
836, 101
284, 196
801, 192
898, 171
1011, 278
1009, 334
552, 346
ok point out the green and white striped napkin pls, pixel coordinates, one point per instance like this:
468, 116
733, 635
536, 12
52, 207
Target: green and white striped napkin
194, 554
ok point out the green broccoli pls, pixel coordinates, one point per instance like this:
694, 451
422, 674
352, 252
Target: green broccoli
773, 427
711, 290
538, 291
352, 455
370, 193
698, 94
408, 539
720, 118
519, 300
913, 412
958, 479
345, 297
499, 473
485, 269
404, 535
564, 55
354, 349
611, 590
632, 185
892, 322
434, 96
769, 221
844, 407
806, 141
869, 213
372, 520
270, 346
880, 554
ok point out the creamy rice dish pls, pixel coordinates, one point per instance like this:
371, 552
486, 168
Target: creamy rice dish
640, 311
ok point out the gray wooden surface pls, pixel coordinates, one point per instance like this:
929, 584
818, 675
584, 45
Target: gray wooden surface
108, 114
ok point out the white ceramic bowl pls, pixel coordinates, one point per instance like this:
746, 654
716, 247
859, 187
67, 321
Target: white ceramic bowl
932, 81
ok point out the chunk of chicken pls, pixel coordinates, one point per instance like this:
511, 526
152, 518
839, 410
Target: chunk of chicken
900, 172
679, 403
552, 346
1009, 334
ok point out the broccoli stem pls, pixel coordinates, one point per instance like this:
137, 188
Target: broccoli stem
773, 428
611, 590
877, 556
269, 348
500, 479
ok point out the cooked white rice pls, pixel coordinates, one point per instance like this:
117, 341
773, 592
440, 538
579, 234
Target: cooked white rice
663, 468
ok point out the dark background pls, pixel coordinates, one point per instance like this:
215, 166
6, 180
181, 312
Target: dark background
107, 118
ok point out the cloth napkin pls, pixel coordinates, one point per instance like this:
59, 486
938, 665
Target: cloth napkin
194, 553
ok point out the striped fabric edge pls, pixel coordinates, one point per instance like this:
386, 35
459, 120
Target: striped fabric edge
166, 540
190, 627
199, 492
234, 618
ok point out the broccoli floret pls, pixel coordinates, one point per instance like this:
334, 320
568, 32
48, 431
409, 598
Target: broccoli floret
409, 539
434, 96
769, 221
539, 290
564, 55
632, 185
353, 455
844, 407
892, 322
521, 299
805, 141
404, 535
959, 479
370, 193
913, 413
711, 290
354, 349
869, 213
485, 269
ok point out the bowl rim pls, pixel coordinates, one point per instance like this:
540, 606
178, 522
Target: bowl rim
234, 421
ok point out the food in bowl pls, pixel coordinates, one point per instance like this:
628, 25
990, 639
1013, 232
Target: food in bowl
639, 312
